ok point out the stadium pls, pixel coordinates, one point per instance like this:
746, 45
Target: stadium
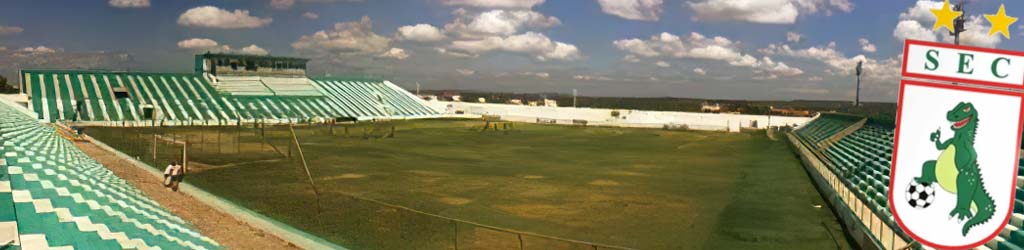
331, 147
389, 170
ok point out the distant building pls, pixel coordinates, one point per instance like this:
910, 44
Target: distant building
250, 75
449, 96
789, 112
710, 108
250, 65
531, 103
515, 101
550, 103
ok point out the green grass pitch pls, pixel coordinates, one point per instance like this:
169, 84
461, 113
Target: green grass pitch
640, 188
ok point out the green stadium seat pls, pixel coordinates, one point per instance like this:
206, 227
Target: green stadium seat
58, 197
192, 99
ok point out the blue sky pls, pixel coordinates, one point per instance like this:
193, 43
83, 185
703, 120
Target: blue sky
734, 49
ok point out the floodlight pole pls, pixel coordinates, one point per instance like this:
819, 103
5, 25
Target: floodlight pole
574, 98
859, 71
958, 23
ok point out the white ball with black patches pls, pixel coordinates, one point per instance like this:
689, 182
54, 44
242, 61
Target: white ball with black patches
920, 195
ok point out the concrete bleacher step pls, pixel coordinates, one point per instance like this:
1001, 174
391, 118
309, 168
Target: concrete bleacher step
60, 199
994, 243
8, 218
1017, 220
1006, 245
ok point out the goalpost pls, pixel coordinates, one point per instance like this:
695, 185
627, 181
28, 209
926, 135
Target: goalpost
175, 144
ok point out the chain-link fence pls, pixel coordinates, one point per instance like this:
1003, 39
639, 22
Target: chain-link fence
344, 218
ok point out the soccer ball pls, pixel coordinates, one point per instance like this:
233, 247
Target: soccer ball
920, 195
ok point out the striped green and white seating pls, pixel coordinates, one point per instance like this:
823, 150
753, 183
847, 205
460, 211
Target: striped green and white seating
53, 196
863, 159
823, 127
91, 96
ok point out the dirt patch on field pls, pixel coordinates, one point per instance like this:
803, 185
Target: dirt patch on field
539, 211
429, 173
221, 227
343, 176
457, 201
605, 183
645, 166
532, 177
626, 173
533, 191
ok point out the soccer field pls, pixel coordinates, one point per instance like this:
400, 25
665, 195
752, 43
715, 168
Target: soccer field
638, 188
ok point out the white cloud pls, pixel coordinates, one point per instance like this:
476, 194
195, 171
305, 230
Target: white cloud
839, 64
663, 64
642, 10
465, 72
498, 22
287, 4
700, 71
976, 34
39, 50
916, 22
631, 58
282, 4
475, 32
636, 47
213, 17
447, 52
794, 37
843, 5
592, 78
536, 74
697, 46
214, 46
866, 45
347, 38
763, 11
910, 29
197, 43
129, 3
524, 4
535, 44
755, 11
252, 49
310, 15
10, 30
420, 33
394, 53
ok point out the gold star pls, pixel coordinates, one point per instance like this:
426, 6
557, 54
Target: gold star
944, 17
1000, 22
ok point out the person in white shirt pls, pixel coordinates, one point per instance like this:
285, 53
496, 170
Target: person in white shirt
173, 175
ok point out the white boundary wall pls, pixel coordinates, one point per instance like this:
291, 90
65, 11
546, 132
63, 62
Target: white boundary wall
627, 118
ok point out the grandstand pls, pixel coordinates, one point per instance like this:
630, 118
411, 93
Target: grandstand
129, 98
850, 159
56, 197
55, 204
53, 196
